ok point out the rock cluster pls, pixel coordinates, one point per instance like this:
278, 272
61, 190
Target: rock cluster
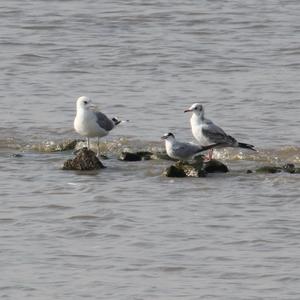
86, 159
199, 168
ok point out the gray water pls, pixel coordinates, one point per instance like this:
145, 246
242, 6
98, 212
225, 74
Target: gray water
126, 232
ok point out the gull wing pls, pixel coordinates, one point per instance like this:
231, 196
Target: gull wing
186, 149
104, 122
216, 134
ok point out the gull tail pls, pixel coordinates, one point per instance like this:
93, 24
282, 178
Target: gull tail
117, 121
246, 146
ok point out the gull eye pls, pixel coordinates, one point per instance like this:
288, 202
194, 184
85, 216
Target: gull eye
85, 102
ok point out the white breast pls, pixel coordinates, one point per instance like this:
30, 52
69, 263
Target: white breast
169, 149
197, 127
85, 124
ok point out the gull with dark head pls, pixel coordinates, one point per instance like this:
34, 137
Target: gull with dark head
92, 123
182, 151
207, 133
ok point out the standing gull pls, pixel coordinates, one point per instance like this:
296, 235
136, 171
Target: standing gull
206, 132
180, 150
91, 123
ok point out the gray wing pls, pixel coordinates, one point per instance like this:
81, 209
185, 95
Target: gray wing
215, 134
104, 122
186, 149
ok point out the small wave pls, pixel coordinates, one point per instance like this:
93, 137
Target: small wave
275, 156
110, 148
83, 217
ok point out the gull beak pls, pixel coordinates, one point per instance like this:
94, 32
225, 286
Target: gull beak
163, 137
187, 110
93, 106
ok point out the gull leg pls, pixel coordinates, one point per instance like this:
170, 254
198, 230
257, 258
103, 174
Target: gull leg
210, 155
98, 147
88, 142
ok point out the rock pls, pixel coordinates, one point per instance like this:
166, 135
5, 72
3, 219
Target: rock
84, 160
214, 166
135, 156
268, 169
16, 155
129, 156
185, 169
146, 155
174, 171
289, 168
249, 172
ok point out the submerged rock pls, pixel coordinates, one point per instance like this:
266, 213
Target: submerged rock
135, 156
268, 169
288, 168
84, 160
16, 155
214, 166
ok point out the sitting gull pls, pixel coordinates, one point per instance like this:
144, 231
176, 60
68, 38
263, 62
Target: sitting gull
91, 123
180, 150
207, 133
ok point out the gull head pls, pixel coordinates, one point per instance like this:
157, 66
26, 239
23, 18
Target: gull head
84, 102
168, 136
196, 108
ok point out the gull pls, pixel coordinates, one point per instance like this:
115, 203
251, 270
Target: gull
92, 123
180, 150
206, 132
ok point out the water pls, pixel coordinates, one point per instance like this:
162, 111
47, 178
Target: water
126, 232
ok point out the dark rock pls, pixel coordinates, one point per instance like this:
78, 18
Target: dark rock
185, 169
16, 155
136, 156
214, 166
297, 170
85, 160
129, 156
249, 171
174, 171
146, 155
268, 169
289, 168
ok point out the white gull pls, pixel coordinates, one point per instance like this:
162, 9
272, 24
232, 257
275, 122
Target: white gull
207, 133
92, 123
